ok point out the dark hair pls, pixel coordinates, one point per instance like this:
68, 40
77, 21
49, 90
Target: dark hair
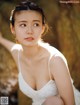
26, 5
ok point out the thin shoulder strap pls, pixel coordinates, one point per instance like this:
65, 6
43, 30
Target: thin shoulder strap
49, 67
19, 61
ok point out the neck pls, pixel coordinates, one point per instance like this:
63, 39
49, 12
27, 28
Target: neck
31, 51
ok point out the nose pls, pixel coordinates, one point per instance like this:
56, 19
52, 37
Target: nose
29, 30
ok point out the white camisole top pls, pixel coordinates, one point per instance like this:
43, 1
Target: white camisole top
37, 96
50, 89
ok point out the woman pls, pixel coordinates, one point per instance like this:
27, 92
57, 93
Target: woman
43, 71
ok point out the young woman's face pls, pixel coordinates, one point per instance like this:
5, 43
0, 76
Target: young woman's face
28, 27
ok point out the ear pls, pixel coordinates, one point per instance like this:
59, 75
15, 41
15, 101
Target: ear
12, 29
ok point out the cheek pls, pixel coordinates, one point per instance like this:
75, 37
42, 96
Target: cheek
38, 32
18, 32
18, 36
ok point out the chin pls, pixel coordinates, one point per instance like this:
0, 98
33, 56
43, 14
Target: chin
30, 44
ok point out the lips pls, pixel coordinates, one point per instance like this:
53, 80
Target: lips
29, 38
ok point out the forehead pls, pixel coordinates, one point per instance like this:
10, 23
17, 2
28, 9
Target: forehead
28, 15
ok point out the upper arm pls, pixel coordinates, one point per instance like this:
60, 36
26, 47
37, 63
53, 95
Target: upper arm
62, 78
10, 46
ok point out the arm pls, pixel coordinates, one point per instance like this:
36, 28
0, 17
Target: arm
8, 45
62, 78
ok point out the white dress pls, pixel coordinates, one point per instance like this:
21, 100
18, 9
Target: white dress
50, 89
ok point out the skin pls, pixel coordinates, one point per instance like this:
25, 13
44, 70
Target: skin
28, 29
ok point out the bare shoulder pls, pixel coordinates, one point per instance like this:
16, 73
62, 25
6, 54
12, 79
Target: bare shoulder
15, 50
59, 65
56, 57
58, 60
16, 47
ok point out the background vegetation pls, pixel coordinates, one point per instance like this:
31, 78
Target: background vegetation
64, 22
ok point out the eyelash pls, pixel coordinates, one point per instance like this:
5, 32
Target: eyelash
23, 25
35, 25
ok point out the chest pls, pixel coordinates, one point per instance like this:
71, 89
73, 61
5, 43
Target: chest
36, 74
49, 89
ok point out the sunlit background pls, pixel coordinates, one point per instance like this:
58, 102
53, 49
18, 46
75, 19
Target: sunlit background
64, 22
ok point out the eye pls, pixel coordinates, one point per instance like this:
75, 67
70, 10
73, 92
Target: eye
36, 24
23, 25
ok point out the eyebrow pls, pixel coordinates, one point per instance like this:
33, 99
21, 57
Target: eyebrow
27, 21
36, 20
